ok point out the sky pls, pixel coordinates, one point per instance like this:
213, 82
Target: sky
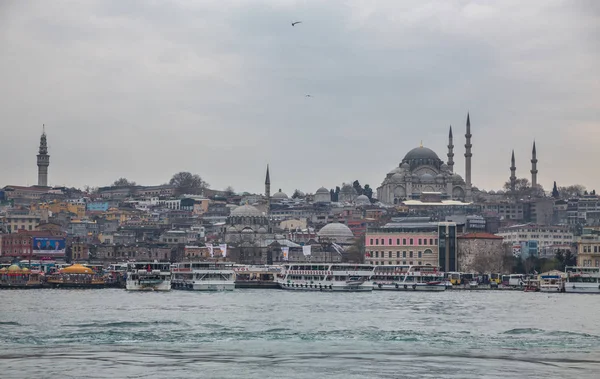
145, 89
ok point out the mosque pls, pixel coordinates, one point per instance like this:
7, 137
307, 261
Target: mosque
422, 171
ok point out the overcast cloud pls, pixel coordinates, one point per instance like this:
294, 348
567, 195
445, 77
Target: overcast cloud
143, 89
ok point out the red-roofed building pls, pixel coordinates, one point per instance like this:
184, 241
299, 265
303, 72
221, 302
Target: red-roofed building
480, 252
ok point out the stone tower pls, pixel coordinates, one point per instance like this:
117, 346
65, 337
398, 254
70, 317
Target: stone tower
534, 170
43, 160
513, 170
468, 156
268, 190
450, 151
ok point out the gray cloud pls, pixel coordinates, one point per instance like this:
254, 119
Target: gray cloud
144, 89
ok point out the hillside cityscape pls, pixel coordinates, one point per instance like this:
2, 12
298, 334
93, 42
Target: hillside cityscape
421, 207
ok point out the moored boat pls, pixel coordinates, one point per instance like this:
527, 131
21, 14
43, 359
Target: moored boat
334, 277
76, 276
203, 276
551, 283
148, 276
17, 277
408, 278
582, 280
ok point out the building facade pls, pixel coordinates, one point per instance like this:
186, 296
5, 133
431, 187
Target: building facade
480, 252
402, 246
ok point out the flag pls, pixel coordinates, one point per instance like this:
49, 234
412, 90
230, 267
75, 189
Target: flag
223, 248
285, 253
306, 250
210, 250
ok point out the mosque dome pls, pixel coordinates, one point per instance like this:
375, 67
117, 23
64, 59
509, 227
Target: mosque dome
246, 211
336, 232
421, 153
262, 229
395, 170
427, 177
232, 229
405, 166
456, 178
322, 190
397, 178
444, 167
362, 200
279, 195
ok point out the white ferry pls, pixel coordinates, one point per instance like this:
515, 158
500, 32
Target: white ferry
203, 276
148, 276
336, 277
582, 280
408, 278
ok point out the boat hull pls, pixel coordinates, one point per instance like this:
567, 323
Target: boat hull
326, 286
136, 285
414, 287
205, 286
582, 288
550, 288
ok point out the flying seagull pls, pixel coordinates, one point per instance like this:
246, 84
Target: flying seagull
296, 22
308, 95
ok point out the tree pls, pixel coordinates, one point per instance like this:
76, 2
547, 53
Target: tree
368, 192
187, 183
90, 189
555, 193
332, 195
122, 182
522, 188
336, 196
357, 187
296, 194
229, 191
575, 190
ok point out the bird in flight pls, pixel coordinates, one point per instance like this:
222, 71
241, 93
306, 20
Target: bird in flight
308, 95
296, 22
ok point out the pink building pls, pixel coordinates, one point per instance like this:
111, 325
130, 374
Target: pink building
401, 247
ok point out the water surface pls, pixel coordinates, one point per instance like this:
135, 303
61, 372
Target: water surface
112, 333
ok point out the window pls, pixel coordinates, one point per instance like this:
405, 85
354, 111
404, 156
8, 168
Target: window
376, 241
389, 241
397, 254
410, 254
404, 255
431, 241
377, 254
398, 241
403, 262
419, 263
371, 241
404, 241
420, 254
425, 241
411, 241
410, 263
390, 255
420, 241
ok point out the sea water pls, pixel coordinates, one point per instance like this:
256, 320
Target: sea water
112, 333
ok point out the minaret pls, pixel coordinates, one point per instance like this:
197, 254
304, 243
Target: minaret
450, 151
268, 190
513, 170
43, 160
534, 170
468, 156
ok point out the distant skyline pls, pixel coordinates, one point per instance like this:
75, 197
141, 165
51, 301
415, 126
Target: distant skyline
143, 90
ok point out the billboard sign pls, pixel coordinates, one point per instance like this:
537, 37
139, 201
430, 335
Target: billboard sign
48, 246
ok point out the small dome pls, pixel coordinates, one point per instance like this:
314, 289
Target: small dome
247, 230
232, 229
397, 177
336, 231
456, 178
362, 200
262, 230
279, 195
492, 192
77, 269
405, 166
426, 177
396, 170
25, 269
246, 211
14, 268
440, 176
444, 167
323, 190
3, 269
421, 153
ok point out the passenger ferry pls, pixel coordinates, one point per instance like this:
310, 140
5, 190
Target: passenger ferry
148, 276
582, 280
335, 277
203, 276
551, 283
408, 278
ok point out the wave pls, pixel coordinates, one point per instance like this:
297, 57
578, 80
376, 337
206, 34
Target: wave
524, 331
554, 333
123, 324
9, 323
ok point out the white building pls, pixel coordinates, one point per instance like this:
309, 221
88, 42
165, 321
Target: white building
547, 237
